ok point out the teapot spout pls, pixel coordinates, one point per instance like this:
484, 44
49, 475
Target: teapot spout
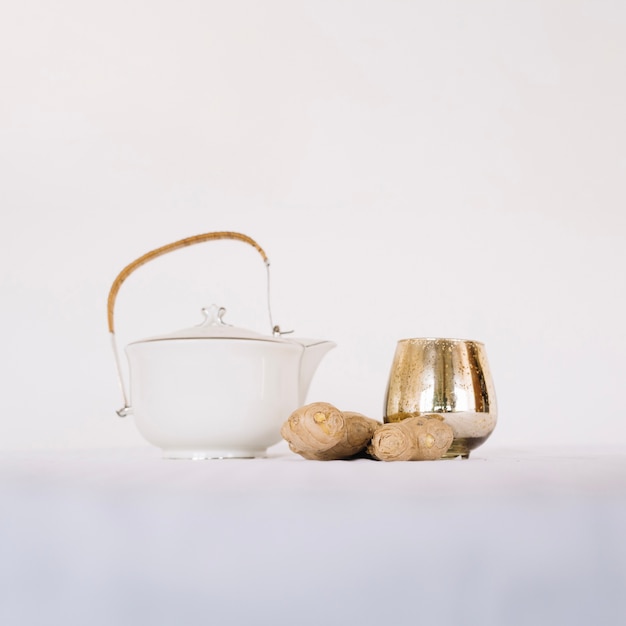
313, 353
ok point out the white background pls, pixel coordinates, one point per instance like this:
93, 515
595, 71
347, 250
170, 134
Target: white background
411, 168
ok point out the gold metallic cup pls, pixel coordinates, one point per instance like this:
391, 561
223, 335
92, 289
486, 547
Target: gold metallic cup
446, 376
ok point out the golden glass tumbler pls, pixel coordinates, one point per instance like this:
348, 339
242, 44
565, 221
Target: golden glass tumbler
446, 376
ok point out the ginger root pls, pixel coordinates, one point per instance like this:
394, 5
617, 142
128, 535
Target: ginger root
420, 438
321, 432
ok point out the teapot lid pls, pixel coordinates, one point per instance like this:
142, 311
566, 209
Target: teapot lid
214, 327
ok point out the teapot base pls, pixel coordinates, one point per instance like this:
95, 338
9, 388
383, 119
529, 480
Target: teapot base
213, 455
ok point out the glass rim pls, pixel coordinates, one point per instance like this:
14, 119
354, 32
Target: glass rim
440, 339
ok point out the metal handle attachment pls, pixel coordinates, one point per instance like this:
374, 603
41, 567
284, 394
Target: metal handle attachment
153, 254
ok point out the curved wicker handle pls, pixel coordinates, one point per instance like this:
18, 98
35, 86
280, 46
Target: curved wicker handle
170, 247
153, 254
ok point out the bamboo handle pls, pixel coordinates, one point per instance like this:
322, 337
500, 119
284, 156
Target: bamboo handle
181, 243
153, 254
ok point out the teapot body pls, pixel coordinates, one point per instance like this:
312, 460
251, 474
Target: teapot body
213, 398
214, 390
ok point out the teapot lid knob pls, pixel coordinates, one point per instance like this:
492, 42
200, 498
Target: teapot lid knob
213, 316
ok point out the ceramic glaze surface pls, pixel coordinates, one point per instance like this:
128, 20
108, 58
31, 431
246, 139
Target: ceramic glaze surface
213, 398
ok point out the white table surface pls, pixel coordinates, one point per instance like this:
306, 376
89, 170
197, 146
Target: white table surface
114, 537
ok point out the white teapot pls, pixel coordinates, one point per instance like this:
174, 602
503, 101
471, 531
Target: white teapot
214, 390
